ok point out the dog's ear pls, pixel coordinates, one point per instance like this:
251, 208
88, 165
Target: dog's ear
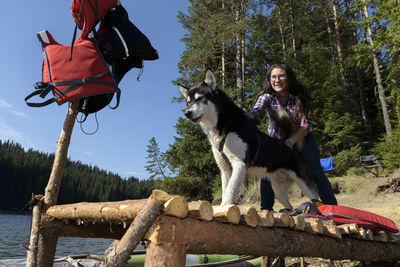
184, 90
210, 79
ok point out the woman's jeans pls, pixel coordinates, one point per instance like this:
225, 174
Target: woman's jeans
325, 192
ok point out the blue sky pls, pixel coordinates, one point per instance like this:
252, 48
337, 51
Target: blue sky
145, 109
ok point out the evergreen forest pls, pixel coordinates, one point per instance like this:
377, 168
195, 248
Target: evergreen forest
25, 172
345, 52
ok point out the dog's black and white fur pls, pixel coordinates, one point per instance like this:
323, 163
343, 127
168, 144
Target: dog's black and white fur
240, 149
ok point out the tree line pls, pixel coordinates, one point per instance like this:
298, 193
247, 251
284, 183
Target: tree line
25, 172
345, 52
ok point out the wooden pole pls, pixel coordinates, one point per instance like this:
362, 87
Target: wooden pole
31, 257
48, 237
119, 252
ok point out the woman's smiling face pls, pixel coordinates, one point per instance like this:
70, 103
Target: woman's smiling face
278, 81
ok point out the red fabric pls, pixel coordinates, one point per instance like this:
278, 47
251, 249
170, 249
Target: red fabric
86, 62
342, 215
88, 18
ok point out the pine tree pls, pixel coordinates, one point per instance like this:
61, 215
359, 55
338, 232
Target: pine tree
155, 165
191, 158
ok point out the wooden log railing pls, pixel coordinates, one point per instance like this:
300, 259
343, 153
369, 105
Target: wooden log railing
180, 229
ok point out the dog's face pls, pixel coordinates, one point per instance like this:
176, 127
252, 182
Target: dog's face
198, 98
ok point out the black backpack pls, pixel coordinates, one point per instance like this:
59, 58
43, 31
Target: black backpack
122, 44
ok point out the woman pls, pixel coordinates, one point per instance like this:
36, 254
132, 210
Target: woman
282, 91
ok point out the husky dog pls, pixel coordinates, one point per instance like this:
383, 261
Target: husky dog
240, 149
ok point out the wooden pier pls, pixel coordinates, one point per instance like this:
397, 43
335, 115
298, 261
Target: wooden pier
197, 227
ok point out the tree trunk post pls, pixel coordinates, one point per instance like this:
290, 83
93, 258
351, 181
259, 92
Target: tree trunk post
31, 257
165, 254
48, 237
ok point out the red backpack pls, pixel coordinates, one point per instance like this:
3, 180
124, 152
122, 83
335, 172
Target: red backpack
86, 75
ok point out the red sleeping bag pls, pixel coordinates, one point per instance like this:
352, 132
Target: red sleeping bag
342, 215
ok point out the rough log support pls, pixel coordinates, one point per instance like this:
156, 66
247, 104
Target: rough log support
119, 252
31, 257
217, 238
48, 237
165, 254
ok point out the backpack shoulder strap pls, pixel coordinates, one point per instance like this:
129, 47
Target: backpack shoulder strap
42, 89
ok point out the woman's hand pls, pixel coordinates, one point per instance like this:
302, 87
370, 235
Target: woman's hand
289, 142
250, 115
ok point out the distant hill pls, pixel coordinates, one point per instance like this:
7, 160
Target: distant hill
25, 172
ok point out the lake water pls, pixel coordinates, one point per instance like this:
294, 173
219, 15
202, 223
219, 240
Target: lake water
15, 230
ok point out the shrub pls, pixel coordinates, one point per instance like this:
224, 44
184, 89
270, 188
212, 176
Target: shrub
346, 159
389, 149
190, 187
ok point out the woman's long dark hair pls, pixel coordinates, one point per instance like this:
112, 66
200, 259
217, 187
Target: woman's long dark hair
304, 105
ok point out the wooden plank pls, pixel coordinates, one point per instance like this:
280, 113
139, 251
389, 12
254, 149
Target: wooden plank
266, 218
381, 237
201, 210
248, 216
331, 230
348, 229
313, 226
299, 223
176, 206
226, 213
281, 219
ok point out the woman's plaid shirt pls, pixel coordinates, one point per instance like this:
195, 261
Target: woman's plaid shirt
270, 102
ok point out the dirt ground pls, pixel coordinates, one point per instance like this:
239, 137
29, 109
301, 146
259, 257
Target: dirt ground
360, 192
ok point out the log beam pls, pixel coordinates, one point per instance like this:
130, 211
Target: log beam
101, 212
113, 212
216, 238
